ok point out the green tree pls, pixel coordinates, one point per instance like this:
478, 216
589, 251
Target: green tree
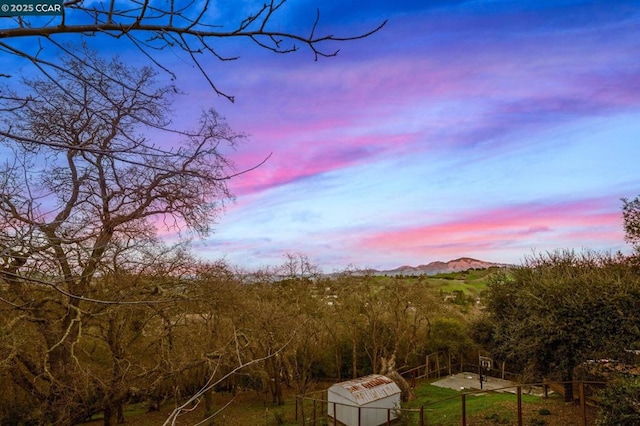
450, 334
561, 309
631, 217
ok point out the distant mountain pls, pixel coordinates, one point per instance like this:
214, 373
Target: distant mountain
433, 268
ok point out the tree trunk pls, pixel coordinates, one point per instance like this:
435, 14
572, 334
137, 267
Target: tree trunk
279, 397
62, 405
120, 413
568, 392
567, 377
354, 356
107, 421
208, 405
113, 413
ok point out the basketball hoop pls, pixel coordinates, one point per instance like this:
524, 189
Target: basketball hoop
484, 364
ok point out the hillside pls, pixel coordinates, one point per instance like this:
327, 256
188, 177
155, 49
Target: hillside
438, 267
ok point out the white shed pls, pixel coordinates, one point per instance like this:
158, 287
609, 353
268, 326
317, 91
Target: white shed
366, 401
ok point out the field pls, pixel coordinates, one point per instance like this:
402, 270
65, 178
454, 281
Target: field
457, 287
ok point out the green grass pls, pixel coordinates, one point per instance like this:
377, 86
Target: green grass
444, 406
471, 282
130, 410
469, 275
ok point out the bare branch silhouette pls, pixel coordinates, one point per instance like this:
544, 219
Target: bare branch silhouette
153, 27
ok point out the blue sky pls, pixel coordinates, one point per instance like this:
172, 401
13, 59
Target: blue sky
487, 129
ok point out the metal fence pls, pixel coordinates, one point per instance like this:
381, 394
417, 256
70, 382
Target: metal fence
521, 404
444, 363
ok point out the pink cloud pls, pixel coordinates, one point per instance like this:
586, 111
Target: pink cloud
333, 114
286, 166
297, 132
524, 225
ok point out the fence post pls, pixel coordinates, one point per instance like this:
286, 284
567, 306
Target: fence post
304, 419
519, 405
583, 404
546, 390
335, 420
422, 415
426, 368
314, 411
464, 409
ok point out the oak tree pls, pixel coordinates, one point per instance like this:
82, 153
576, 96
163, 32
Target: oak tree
84, 192
561, 309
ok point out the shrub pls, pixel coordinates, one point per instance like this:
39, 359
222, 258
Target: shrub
620, 403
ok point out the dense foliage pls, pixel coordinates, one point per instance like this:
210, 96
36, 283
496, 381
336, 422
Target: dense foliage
187, 326
631, 217
560, 310
619, 403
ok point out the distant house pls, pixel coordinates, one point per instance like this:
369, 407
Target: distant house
366, 401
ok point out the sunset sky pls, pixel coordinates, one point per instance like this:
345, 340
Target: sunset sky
487, 129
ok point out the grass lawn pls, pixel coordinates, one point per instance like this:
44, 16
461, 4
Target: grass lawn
442, 407
247, 408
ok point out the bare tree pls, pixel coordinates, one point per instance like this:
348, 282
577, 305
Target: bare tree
85, 187
151, 27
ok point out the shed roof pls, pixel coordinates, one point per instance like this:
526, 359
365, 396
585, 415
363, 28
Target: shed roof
370, 388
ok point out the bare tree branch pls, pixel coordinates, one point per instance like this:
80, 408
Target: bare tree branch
173, 417
164, 26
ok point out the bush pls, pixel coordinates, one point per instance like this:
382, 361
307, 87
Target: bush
497, 419
279, 417
620, 403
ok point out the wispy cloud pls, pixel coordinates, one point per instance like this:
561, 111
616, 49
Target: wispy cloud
460, 94
456, 130
529, 225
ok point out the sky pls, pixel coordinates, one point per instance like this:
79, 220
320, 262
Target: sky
484, 129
